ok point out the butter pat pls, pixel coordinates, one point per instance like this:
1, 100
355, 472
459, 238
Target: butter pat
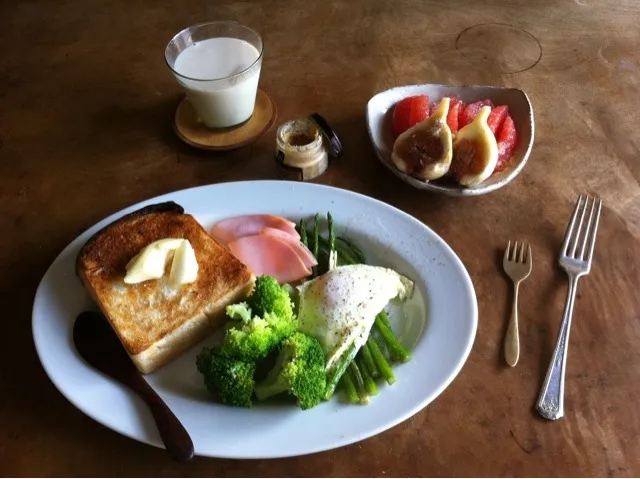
184, 268
151, 262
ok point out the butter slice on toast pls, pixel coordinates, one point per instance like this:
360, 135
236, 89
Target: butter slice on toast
157, 320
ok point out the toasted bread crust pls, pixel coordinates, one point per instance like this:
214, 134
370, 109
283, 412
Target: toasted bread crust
156, 320
90, 253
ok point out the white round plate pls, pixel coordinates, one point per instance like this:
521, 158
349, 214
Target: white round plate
438, 323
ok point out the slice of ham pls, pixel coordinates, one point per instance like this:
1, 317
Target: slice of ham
265, 254
305, 255
228, 230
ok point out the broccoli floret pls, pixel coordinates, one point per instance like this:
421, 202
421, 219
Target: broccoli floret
269, 297
293, 295
273, 320
239, 311
299, 370
256, 338
229, 379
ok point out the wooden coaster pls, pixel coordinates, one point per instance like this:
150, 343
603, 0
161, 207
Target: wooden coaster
193, 132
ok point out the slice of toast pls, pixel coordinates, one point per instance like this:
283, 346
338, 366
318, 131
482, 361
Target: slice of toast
156, 320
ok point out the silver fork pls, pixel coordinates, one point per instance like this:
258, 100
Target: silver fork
517, 267
576, 262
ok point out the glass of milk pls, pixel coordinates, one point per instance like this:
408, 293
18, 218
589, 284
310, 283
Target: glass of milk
218, 65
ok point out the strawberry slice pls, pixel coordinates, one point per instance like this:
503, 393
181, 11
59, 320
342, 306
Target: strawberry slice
507, 140
496, 118
470, 112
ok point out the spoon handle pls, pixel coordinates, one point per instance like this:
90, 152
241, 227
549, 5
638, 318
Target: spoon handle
175, 437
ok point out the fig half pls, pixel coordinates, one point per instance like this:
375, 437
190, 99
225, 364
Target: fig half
425, 150
475, 151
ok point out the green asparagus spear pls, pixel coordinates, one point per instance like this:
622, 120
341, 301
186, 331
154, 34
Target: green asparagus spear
303, 232
381, 362
332, 382
350, 389
344, 255
333, 254
316, 238
332, 233
356, 375
385, 319
369, 383
370, 364
396, 349
358, 255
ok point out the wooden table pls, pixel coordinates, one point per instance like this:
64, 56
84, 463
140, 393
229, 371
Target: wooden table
86, 104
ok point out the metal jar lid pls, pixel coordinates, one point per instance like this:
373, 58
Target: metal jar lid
334, 144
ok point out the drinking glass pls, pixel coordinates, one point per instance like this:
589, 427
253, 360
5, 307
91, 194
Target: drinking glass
220, 101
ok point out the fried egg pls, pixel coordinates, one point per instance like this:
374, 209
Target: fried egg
339, 307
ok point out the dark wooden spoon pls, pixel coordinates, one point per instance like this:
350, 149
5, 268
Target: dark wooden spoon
98, 344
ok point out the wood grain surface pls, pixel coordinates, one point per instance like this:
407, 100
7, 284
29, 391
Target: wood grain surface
86, 105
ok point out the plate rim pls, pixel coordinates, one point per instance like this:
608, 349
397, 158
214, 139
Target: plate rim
452, 190
400, 418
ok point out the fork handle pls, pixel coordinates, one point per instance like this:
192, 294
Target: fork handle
551, 401
512, 340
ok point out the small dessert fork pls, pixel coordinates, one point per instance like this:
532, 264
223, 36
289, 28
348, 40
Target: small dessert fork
576, 262
518, 267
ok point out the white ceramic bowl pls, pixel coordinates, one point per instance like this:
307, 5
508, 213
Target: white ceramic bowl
380, 111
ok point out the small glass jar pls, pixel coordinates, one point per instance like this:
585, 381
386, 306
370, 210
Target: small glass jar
303, 147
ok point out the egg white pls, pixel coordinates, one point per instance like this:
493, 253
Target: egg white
339, 307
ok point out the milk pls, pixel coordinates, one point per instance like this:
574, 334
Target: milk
204, 69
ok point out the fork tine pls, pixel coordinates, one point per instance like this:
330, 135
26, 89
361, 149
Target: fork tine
594, 231
528, 254
514, 256
522, 252
579, 230
506, 252
588, 229
569, 232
